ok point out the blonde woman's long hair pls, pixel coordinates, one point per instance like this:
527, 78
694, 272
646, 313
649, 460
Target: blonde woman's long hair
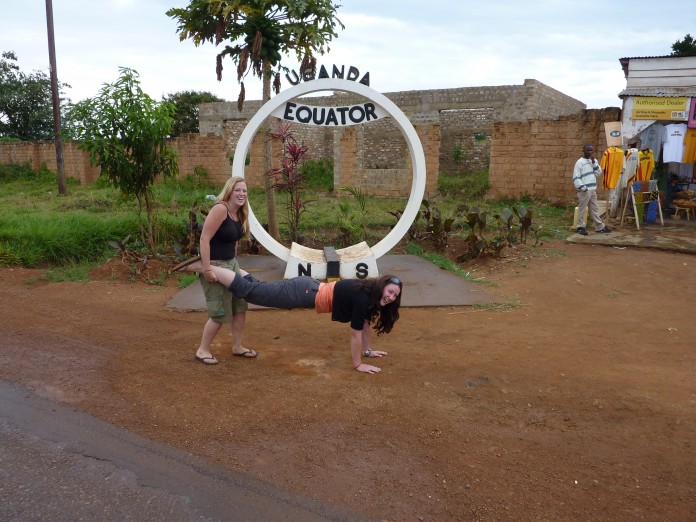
243, 212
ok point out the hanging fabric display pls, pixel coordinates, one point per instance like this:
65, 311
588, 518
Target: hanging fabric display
612, 164
673, 149
630, 167
689, 146
646, 164
652, 138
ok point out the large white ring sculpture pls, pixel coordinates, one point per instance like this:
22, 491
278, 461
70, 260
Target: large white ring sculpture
336, 84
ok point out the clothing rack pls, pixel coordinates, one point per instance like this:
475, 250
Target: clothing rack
641, 193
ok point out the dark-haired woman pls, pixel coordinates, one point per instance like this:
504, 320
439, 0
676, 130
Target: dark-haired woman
362, 303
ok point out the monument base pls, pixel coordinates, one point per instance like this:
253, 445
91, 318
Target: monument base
355, 262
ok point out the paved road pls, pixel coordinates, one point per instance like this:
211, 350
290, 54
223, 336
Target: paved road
59, 464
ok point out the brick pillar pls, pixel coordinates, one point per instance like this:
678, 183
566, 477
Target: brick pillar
429, 135
345, 156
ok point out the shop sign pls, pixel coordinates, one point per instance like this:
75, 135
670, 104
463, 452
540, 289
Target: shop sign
653, 108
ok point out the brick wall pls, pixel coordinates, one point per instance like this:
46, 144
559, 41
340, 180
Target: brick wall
38, 153
491, 124
193, 150
536, 158
206, 152
465, 114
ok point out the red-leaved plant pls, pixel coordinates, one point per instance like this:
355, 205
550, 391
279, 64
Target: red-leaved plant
289, 178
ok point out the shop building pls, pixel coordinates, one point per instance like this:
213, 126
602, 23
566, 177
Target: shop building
659, 110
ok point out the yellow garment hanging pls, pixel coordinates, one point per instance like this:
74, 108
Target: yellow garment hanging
690, 146
646, 165
612, 164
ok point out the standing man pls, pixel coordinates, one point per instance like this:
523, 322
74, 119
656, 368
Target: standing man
585, 175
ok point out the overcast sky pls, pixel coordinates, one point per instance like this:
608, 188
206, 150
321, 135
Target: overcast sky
405, 45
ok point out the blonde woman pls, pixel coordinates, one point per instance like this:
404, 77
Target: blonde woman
225, 225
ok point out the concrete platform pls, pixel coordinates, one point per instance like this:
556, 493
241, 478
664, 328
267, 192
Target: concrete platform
425, 284
676, 235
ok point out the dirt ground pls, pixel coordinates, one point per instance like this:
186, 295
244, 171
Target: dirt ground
577, 403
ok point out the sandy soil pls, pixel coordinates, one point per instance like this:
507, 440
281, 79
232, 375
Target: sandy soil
577, 404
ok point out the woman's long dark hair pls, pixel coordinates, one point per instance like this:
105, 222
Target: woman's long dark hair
383, 316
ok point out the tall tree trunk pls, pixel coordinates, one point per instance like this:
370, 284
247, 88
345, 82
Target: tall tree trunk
268, 161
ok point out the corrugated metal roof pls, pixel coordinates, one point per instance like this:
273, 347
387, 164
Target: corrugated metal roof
659, 92
648, 57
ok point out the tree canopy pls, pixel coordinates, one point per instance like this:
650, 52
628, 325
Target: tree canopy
256, 33
26, 110
186, 103
125, 132
684, 47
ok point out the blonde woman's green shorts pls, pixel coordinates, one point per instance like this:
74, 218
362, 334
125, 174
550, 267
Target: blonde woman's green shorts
221, 303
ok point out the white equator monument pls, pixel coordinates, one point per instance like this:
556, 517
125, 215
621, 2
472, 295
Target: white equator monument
356, 261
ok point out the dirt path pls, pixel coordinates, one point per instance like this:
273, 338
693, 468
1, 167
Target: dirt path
579, 404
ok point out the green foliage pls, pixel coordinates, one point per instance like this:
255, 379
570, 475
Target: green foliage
351, 221
125, 132
256, 34
429, 225
59, 238
15, 172
684, 47
26, 107
318, 174
94, 222
458, 154
479, 246
468, 186
525, 222
444, 262
76, 272
184, 280
186, 115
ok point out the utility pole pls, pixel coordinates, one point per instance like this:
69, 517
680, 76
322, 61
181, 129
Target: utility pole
55, 96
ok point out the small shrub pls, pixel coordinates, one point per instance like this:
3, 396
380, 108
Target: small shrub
351, 223
318, 174
459, 155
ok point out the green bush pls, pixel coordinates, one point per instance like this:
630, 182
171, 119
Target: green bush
24, 172
467, 185
318, 174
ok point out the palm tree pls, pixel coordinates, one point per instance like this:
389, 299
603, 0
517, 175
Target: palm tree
256, 34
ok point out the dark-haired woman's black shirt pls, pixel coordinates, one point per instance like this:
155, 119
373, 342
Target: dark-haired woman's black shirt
351, 304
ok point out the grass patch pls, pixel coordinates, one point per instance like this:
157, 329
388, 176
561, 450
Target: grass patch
499, 307
78, 273
465, 185
184, 280
39, 228
446, 264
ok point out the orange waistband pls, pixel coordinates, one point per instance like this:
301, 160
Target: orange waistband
324, 301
